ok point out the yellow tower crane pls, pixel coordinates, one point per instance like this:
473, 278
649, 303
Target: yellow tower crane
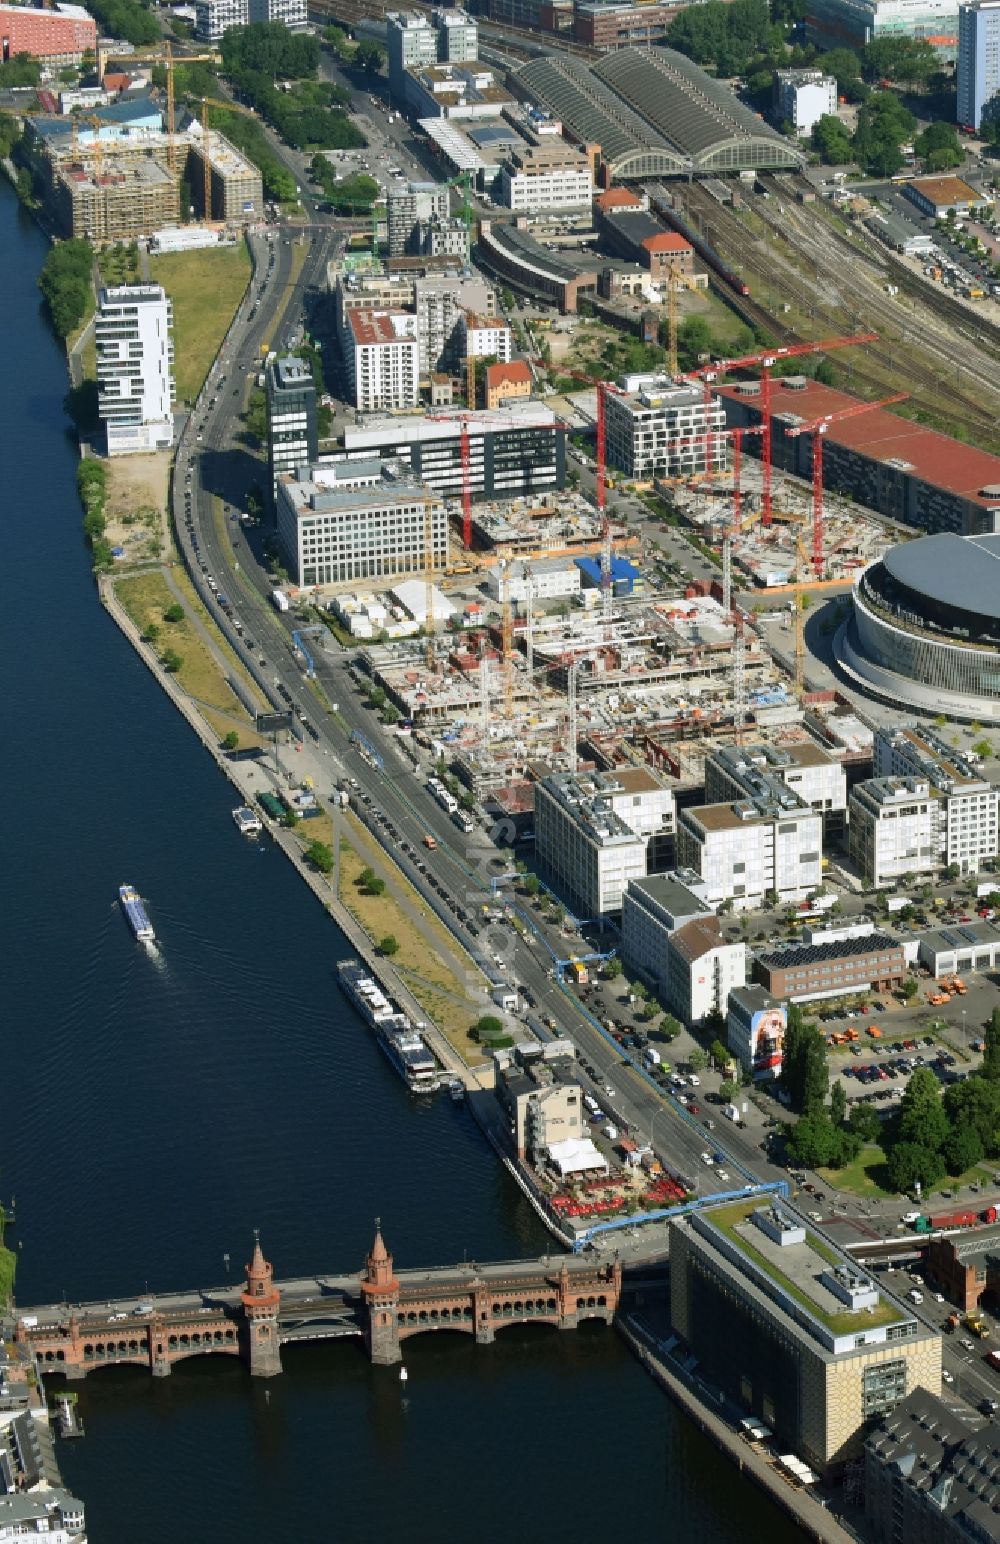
164, 55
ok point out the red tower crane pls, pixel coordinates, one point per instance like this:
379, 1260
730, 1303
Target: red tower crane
817, 428
766, 360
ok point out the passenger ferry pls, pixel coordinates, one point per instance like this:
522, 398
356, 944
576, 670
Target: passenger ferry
248, 822
402, 1044
135, 913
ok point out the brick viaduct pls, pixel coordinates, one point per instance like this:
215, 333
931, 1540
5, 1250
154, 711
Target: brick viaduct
380, 1305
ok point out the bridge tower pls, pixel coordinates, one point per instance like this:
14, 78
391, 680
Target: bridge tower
380, 1291
261, 1300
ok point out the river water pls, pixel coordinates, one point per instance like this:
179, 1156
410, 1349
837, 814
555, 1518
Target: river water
167, 1104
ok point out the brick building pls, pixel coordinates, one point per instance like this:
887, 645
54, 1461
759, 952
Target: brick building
60, 36
802, 972
966, 1267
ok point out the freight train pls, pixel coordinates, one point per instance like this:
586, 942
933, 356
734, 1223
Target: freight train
706, 252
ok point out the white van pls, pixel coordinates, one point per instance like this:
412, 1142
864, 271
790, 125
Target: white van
915, 1296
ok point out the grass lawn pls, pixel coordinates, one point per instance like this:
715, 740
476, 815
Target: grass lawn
206, 286
728, 1219
440, 992
146, 597
865, 1176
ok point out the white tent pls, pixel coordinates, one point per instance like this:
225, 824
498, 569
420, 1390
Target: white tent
577, 1155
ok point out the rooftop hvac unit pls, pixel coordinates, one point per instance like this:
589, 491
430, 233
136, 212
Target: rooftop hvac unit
795, 383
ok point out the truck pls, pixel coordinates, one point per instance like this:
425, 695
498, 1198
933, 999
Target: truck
279, 600
928, 1225
978, 1326
651, 1056
579, 972
898, 902
731, 1112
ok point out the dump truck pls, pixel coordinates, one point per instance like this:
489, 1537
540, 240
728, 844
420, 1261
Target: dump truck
954, 1220
978, 1326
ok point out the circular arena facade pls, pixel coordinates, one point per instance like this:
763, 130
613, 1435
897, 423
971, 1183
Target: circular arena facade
925, 628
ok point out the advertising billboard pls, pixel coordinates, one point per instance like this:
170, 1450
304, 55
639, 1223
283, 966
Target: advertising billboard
767, 1043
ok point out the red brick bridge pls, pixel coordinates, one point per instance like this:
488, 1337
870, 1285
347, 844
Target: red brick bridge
379, 1304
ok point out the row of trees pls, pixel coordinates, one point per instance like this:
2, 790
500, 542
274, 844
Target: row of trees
348, 195
66, 282
884, 125
307, 115
92, 487
126, 19
22, 70
933, 1133
268, 48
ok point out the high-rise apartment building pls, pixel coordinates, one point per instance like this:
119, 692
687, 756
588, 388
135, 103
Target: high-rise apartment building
978, 67
135, 368
382, 357
458, 37
411, 41
597, 831
213, 17
969, 802
291, 416
663, 430
417, 204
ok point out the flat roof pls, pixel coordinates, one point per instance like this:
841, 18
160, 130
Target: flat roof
924, 453
952, 940
793, 955
380, 326
946, 190
791, 1275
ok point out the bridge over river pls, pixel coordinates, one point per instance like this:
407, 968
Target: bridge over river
379, 1304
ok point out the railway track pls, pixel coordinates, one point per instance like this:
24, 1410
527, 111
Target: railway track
516, 40
969, 371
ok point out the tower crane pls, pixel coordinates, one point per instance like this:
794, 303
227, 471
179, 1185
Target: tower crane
818, 429
163, 54
766, 360
675, 279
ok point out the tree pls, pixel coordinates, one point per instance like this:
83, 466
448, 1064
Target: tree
975, 1104
365, 877
67, 284
717, 1051
697, 1061
389, 945
864, 1122
838, 1103
669, 1027
962, 1149
369, 58
531, 885
320, 855
990, 1069
812, 1142
910, 1164
898, 58
172, 661
174, 613
910, 987
231, 741
922, 1121
151, 632
831, 139
488, 1030
729, 1090
375, 886
612, 968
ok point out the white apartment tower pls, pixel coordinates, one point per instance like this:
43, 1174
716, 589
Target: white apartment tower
135, 368
458, 37
595, 832
969, 803
896, 828
382, 356
664, 430
416, 205
411, 41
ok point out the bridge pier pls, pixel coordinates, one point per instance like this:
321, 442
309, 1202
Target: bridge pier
261, 1301
380, 1290
482, 1308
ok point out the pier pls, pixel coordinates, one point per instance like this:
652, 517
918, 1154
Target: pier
379, 1305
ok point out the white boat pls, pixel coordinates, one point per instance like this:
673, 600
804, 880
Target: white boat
403, 1375
135, 913
248, 822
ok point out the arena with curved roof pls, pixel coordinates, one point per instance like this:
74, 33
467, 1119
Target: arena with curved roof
925, 628
655, 114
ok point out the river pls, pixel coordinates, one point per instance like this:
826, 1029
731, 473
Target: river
162, 1106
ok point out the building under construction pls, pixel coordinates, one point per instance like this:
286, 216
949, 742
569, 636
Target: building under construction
236, 192
113, 200
110, 186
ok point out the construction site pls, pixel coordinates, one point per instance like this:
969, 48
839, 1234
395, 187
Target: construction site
555, 658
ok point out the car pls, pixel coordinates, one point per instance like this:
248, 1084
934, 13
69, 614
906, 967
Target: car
947, 1376
967, 1345
708, 1160
694, 1107
815, 1216
938, 1297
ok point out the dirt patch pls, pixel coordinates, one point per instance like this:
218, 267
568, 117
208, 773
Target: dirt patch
136, 510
